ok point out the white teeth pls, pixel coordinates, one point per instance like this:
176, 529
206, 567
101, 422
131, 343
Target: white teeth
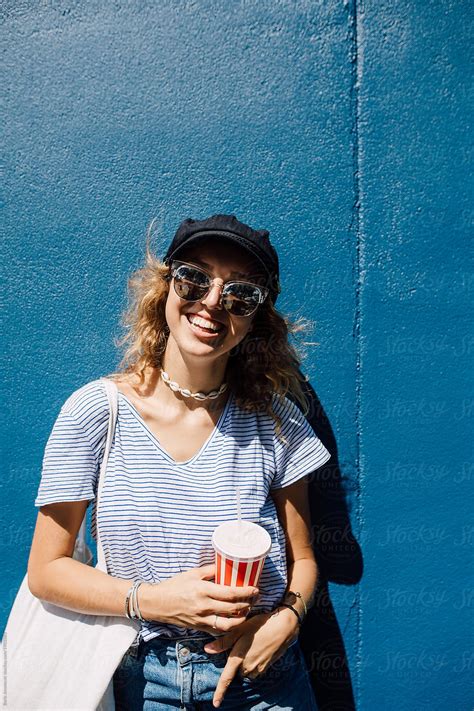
205, 323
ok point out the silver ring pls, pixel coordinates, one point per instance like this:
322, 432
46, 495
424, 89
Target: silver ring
214, 626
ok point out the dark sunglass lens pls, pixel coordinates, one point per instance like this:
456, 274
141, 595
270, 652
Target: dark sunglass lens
241, 299
190, 283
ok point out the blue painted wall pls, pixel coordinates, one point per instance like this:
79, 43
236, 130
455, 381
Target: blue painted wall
416, 355
342, 128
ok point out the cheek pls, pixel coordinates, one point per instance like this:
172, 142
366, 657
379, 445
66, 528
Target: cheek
172, 312
241, 330
168, 314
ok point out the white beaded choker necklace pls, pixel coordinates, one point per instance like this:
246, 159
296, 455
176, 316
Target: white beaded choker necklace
187, 393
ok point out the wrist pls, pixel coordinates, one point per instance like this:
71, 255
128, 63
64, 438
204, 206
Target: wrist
297, 601
287, 618
149, 600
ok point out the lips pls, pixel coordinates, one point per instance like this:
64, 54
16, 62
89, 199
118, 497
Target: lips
201, 331
213, 321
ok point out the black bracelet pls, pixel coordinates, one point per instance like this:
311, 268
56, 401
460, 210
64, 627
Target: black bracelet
296, 595
286, 604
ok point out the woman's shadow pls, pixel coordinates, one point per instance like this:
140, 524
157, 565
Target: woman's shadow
339, 560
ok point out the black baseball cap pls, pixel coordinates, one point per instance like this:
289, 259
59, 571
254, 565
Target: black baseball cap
228, 227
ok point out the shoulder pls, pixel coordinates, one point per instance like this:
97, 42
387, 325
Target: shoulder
294, 425
281, 405
286, 409
88, 405
286, 422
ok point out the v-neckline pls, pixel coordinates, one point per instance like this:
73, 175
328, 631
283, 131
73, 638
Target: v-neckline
158, 444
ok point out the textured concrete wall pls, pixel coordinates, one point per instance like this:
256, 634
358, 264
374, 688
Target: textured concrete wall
340, 127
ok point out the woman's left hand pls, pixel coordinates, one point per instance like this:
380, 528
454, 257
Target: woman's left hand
255, 645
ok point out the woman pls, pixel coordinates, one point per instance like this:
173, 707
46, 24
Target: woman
202, 410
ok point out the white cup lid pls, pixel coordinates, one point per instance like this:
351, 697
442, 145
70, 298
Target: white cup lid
244, 540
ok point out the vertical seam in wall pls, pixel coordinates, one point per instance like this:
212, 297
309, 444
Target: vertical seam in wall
356, 228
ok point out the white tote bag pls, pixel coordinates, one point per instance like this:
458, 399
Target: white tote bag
54, 658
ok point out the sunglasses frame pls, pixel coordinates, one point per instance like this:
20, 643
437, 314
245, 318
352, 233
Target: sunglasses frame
263, 290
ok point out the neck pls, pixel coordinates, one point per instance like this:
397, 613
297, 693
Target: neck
194, 373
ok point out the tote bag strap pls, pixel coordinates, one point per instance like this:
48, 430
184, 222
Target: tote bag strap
112, 396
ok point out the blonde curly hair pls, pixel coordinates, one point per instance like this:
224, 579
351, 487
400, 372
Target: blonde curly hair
262, 365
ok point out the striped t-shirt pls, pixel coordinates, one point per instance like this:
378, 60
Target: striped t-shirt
157, 516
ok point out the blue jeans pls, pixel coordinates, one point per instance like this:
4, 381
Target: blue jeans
176, 673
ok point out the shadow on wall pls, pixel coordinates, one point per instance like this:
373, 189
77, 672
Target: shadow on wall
339, 559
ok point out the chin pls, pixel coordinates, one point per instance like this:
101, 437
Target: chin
195, 346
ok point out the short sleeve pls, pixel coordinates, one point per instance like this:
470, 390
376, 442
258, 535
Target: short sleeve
72, 455
304, 452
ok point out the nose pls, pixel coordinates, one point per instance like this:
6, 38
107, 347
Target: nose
213, 297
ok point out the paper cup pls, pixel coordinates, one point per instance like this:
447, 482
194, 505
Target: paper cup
241, 548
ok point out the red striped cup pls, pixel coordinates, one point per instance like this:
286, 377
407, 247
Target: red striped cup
241, 548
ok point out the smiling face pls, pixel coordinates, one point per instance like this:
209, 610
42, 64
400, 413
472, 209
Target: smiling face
224, 261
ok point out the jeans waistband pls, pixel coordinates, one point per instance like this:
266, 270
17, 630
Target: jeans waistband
180, 637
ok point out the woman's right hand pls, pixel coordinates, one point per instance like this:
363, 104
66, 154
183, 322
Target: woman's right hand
190, 599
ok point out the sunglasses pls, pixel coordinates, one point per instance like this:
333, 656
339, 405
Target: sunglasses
239, 298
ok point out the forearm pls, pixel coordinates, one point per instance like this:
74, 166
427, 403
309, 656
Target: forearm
68, 583
302, 578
